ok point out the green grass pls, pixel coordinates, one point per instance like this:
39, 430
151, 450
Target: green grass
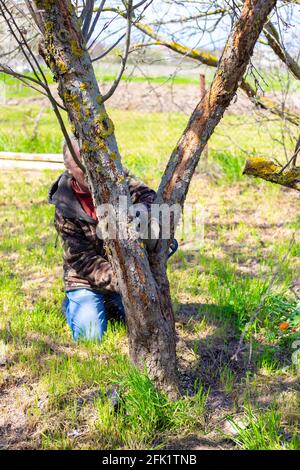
227, 379
176, 79
264, 431
146, 140
39, 344
248, 225
76, 380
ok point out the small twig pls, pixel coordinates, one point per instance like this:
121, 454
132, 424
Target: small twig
18, 48
26, 78
293, 159
95, 21
23, 42
104, 28
109, 49
125, 55
297, 150
262, 301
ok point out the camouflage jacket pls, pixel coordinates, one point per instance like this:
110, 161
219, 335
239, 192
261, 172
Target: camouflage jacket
85, 264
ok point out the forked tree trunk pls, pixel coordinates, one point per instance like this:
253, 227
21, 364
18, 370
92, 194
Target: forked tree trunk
143, 281
148, 307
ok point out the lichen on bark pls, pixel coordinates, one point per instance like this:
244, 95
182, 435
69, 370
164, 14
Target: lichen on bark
268, 170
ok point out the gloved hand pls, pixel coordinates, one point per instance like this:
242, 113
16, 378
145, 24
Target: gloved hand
173, 247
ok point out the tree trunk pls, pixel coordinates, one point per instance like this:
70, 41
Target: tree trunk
148, 309
142, 280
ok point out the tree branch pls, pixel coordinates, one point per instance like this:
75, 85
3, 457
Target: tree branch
87, 16
270, 171
207, 59
125, 55
268, 104
209, 112
95, 21
105, 53
35, 15
192, 17
279, 49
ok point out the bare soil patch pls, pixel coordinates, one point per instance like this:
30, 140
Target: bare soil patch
151, 97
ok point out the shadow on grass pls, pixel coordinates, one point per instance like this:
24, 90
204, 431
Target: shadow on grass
228, 381
197, 443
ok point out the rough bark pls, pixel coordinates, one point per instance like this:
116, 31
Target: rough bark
271, 171
150, 319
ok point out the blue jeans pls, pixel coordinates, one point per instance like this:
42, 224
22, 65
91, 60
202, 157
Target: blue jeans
87, 312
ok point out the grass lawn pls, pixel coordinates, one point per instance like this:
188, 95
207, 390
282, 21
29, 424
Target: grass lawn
53, 392
269, 82
145, 139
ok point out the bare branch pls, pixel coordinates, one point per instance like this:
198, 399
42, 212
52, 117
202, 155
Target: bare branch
22, 42
106, 25
95, 21
208, 113
139, 4
296, 153
186, 19
279, 49
269, 105
86, 16
23, 78
125, 55
202, 57
212, 61
109, 49
18, 48
293, 159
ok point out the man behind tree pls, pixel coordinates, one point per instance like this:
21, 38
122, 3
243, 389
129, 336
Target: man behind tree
91, 286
